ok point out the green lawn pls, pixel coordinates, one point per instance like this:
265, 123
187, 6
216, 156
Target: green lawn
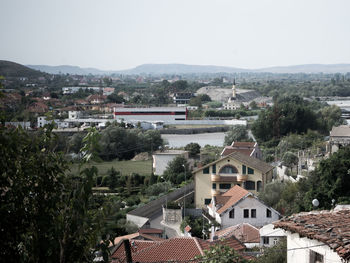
125, 167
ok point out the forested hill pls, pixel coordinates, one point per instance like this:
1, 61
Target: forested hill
12, 69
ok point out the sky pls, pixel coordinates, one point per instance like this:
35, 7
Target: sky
122, 34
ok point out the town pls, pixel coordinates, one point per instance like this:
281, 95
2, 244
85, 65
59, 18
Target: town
153, 131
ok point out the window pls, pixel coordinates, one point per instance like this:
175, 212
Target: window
253, 213
316, 257
266, 240
268, 212
232, 213
213, 169
258, 186
214, 185
228, 169
244, 169
207, 201
225, 186
206, 170
246, 213
250, 171
249, 185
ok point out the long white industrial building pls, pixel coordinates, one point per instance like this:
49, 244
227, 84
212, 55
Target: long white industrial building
163, 114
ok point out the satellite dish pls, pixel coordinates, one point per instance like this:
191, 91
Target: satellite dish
315, 203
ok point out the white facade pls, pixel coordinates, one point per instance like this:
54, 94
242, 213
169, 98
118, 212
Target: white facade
74, 114
270, 236
150, 114
162, 159
42, 121
305, 249
244, 213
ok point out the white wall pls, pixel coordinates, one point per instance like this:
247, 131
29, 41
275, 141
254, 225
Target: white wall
297, 255
138, 220
160, 161
249, 203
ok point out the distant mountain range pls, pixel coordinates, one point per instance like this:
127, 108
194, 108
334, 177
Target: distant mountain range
12, 69
8, 68
159, 69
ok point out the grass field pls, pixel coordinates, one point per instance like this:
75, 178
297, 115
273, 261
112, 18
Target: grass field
125, 167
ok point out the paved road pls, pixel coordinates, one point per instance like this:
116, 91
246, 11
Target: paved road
155, 223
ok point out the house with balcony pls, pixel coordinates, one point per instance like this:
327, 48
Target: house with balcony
221, 175
238, 206
248, 148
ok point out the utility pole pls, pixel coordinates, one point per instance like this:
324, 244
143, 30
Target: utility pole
185, 192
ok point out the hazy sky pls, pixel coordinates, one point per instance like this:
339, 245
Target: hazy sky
120, 34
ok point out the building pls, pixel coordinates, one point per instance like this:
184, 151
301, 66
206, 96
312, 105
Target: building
108, 91
162, 159
150, 114
234, 169
244, 232
182, 97
179, 249
248, 148
270, 236
339, 137
237, 206
318, 236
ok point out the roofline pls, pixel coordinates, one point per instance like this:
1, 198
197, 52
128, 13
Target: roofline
227, 156
244, 197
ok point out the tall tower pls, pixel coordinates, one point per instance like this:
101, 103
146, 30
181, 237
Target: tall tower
234, 89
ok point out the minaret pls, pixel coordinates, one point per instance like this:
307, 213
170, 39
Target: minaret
234, 89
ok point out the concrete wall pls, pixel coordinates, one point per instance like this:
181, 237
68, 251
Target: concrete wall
297, 255
248, 203
172, 215
161, 161
138, 220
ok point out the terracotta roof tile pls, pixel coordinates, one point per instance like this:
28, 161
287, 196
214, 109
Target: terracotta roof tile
243, 144
235, 194
329, 227
174, 249
151, 231
228, 150
244, 232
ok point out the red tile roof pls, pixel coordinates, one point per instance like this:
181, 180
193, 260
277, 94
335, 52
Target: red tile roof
244, 144
150, 231
174, 249
230, 198
244, 232
229, 149
329, 227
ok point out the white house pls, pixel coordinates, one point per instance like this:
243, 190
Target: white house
237, 206
318, 236
162, 159
270, 236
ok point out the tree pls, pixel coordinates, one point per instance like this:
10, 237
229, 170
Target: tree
275, 254
193, 148
330, 180
236, 133
45, 214
115, 98
176, 169
289, 159
221, 254
112, 178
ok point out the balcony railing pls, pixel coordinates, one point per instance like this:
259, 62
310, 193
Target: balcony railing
215, 178
242, 177
215, 192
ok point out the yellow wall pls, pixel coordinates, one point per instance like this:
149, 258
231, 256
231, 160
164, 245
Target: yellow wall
203, 183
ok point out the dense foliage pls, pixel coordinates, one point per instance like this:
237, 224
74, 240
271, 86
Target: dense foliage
294, 115
237, 133
45, 214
